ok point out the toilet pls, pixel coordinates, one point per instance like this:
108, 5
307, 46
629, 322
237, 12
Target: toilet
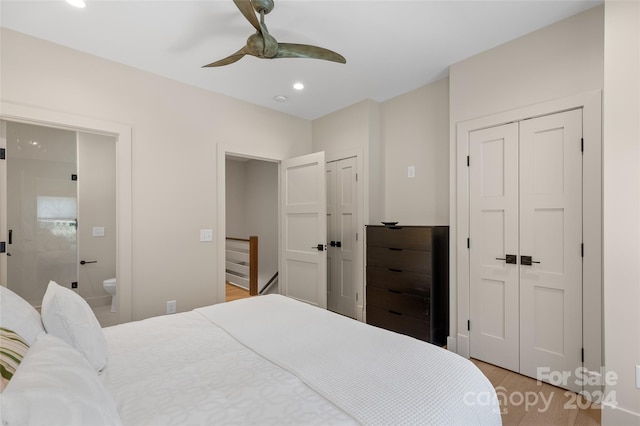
110, 287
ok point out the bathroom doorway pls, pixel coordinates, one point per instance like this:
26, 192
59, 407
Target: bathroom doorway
61, 210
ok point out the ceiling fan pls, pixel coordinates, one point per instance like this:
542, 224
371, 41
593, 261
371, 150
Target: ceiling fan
264, 45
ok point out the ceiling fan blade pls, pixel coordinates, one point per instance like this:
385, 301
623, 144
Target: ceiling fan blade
293, 50
228, 60
246, 8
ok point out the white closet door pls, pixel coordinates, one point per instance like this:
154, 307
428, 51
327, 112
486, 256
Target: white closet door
494, 293
303, 206
341, 224
551, 233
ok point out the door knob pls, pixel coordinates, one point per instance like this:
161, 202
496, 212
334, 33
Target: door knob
527, 260
509, 258
319, 247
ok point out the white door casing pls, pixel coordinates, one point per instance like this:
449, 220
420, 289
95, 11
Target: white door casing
493, 224
551, 233
341, 222
525, 199
304, 229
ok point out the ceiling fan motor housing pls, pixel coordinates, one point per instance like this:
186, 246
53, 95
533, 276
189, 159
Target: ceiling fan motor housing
265, 6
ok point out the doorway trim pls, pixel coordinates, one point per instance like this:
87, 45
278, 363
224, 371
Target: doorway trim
124, 218
591, 104
222, 151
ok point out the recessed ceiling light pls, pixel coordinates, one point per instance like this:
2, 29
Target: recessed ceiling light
298, 86
280, 98
77, 3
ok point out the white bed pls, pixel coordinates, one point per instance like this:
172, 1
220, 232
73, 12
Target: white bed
274, 360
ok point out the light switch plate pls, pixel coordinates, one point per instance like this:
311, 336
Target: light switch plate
98, 231
206, 235
411, 171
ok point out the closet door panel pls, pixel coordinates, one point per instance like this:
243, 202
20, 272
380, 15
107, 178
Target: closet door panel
493, 179
551, 233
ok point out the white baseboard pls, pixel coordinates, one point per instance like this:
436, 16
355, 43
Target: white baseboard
99, 301
452, 345
463, 346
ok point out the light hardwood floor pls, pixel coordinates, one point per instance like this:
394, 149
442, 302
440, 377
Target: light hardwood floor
235, 292
524, 401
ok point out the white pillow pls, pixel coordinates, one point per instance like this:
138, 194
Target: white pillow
68, 316
18, 315
56, 385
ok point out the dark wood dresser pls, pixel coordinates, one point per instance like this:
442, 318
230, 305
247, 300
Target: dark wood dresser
408, 280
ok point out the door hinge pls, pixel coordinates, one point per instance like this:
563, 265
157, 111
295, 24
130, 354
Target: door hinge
3, 154
356, 297
468, 161
3, 247
581, 144
468, 325
582, 355
468, 243
356, 236
582, 249
356, 177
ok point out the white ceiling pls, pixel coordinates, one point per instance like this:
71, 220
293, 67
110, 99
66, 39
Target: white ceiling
391, 46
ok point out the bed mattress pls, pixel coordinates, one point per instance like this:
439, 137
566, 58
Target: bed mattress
274, 360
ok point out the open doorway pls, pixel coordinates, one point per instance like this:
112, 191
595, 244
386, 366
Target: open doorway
251, 209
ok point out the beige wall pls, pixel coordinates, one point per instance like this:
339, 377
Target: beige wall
355, 129
410, 129
175, 129
622, 208
563, 59
415, 132
235, 198
96, 208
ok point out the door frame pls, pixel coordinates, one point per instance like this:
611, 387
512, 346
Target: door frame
222, 151
591, 104
124, 246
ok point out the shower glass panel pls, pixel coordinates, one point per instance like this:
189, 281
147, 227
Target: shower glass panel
41, 209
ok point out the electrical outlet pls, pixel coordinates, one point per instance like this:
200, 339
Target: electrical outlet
74, 284
411, 172
171, 307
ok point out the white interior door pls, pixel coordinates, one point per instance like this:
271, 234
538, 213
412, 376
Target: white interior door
525, 183
341, 222
493, 223
304, 228
551, 234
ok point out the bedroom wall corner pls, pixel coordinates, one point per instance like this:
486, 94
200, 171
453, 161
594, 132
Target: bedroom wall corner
622, 211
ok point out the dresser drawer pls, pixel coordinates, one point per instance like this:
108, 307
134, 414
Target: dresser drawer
415, 238
400, 259
399, 323
403, 303
402, 281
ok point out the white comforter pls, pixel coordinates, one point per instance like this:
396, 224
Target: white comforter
273, 360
